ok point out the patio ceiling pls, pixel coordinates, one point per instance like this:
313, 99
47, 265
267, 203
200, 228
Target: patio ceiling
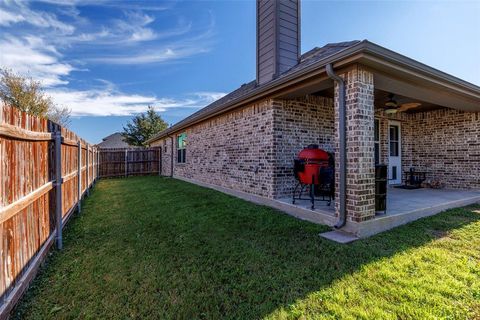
381, 97
397, 74
407, 89
432, 94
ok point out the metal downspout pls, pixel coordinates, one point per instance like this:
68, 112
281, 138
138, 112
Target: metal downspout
342, 135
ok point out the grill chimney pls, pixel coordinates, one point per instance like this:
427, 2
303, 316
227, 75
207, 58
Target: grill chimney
278, 37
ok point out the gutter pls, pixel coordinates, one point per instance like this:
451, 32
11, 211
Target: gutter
342, 135
363, 49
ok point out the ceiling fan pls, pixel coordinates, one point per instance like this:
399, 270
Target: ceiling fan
391, 106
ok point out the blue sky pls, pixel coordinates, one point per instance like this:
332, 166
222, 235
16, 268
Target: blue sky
108, 60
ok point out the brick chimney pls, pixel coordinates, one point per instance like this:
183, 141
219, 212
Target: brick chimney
278, 37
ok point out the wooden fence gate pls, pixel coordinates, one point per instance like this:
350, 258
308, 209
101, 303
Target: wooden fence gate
124, 162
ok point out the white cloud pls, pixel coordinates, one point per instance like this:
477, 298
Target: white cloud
31, 56
133, 28
32, 43
150, 6
151, 56
7, 18
19, 12
143, 35
93, 37
161, 53
108, 101
107, 42
211, 96
100, 102
139, 18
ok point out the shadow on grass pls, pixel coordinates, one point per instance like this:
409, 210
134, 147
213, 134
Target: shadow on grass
159, 248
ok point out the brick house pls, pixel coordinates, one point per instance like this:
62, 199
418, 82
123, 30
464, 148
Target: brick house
113, 141
395, 111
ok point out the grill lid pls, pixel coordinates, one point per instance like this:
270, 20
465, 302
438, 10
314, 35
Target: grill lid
313, 153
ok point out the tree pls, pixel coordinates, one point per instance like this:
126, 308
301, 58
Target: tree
28, 95
143, 127
60, 115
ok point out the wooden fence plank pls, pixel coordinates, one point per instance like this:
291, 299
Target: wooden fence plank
14, 132
69, 142
12, 209
126, 162
33, 195
79, 176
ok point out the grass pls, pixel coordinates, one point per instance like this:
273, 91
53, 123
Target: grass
152, 247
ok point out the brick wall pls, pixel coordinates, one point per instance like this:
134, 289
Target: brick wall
297, 124
234, 150
444, 142
239, 150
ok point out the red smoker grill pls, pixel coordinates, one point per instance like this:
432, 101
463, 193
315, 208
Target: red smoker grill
313, 169
313, 159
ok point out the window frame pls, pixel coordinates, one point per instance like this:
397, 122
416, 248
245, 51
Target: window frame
395, 151
182, 148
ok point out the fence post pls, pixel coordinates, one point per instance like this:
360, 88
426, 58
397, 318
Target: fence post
126, 163
58, 187
94, 166
98, 164
87, 186
79, 204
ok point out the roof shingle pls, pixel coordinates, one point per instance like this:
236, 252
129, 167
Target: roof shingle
306, 59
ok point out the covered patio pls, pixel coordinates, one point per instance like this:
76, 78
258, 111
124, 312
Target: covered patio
400, 202
423, 126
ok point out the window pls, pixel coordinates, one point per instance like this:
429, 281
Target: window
181, 148
377, 141
165, 146
394, 142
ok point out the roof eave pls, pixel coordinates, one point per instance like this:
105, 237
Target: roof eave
358, 53
267, 89
372, 50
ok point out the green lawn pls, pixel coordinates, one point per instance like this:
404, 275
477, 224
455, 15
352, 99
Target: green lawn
152, 247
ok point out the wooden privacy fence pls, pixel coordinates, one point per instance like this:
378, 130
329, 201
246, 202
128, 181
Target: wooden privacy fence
124, 162
44, 172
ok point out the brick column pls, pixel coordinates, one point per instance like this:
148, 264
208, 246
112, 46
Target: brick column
360, 145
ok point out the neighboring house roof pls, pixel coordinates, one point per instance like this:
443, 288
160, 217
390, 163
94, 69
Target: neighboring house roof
315, 60
114, 140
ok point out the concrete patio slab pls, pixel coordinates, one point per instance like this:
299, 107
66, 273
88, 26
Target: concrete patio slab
403, 206
320, 206
401, 201
339, 236
421, 203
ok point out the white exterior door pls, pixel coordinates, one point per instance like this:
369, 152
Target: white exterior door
395, 153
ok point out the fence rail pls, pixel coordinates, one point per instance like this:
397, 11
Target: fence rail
124, 162
45, 170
